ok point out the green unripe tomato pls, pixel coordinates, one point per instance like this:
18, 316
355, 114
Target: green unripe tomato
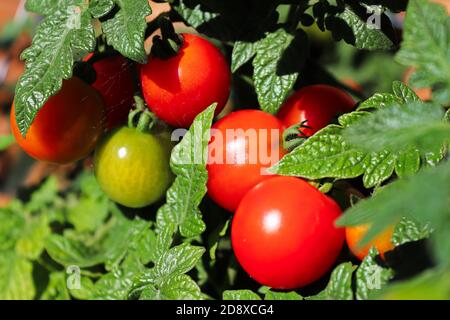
132, 167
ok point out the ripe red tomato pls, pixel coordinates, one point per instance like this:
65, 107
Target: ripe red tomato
382, 242
317, 105
240, 150
115, 83
67, 127
283, 233
179, 88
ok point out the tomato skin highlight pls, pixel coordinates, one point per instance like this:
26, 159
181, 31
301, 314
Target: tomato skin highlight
132, 167
231, 179
381, 242
179, 88
283, 233
115, 83
318, 105
67, 127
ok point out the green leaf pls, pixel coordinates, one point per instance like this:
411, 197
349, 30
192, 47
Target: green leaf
164, 240
178, 260
63, 36
188, 163
327, 155
370, 277
126, 30
11, 226
397, 127
56, 288
271, 84
86, 290
387, 206
100, 8
117, 284
42, 7
340, 285
242, 53
240, 295
43, 196
378, 101
6, 141
119, 238
16, 279
291, 295
216, 239
386, 133
407, 163
363, 36
195, 17
408, 230
430, 285
426, 46
69, 252
405, 93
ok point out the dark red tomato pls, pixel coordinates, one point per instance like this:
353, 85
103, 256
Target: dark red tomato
67, 127
283, 233
115, 83
243, 145
318, 105
179, 88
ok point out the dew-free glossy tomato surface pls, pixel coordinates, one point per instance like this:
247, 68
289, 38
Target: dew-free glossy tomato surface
238, 162
67, 127
179, 88
132, 167
283, 233
115, 83
381, 242
318, 105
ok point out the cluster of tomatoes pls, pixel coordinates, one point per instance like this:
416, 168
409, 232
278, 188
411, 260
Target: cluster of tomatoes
283, 231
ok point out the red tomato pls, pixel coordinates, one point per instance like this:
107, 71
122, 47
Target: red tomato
67, 127
424, 94
237, 163
179, 88
115, 83
283, 233
318, 105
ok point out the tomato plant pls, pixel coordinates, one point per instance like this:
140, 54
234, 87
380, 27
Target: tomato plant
320, 142
114, 80
179, 88
283, 233
242, 147
315, 106
130, 174
68, 127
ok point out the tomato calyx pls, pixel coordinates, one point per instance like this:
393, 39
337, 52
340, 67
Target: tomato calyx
169, 43
141, 118
294, 136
